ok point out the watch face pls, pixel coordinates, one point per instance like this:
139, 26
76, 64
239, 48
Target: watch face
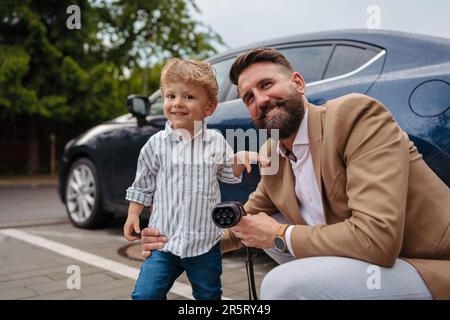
279, 244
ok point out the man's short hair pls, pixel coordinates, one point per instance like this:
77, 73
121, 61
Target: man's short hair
190, 71
255, 55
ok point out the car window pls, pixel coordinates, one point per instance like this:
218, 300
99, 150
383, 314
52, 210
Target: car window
348, 58
310, 61
157, 107
222, 69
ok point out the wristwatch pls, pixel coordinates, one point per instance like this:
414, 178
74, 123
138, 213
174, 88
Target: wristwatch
279, 242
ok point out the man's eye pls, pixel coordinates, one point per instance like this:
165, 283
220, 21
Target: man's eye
248, 99
266, 85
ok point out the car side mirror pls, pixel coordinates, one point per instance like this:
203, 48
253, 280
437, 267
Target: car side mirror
138, 106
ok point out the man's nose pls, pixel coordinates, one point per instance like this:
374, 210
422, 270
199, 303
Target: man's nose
261, 100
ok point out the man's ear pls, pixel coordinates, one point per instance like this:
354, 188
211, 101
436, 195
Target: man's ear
299, 82
211, 108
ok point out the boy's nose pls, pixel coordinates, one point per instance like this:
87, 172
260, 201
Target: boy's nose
177, 103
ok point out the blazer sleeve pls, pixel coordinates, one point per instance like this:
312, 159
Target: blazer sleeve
376, 154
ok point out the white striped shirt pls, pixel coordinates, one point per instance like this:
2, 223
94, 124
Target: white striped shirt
179, 179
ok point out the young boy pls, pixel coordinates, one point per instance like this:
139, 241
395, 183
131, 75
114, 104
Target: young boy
177, 174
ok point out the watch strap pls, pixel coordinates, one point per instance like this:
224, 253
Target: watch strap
282, 230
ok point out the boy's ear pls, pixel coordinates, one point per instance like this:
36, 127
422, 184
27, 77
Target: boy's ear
211, 108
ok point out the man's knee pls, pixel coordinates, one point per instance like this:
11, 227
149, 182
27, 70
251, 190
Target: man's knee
277, 285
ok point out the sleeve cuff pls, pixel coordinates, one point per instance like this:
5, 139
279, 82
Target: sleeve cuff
139, 197
226, 175
288, 239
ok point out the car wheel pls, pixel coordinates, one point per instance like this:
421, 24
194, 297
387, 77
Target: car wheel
83, 198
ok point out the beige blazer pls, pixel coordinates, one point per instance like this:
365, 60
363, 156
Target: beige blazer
380, 199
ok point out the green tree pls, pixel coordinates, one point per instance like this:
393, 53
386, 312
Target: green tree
49, 72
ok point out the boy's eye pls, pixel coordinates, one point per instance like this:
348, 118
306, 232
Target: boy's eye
170, 96
189, 97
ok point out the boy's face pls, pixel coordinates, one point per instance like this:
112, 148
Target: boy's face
185, 103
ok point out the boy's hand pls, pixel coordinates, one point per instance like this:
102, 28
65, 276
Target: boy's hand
247, 158
151, 240
131, 224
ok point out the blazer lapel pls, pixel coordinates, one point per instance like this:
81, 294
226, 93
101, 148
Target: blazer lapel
290, 198
284, 187
315, 115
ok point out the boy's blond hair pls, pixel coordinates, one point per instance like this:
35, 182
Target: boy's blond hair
190, 71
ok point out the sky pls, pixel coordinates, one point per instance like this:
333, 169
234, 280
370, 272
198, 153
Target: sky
242, 22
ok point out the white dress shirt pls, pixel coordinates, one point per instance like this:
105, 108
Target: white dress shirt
306, 187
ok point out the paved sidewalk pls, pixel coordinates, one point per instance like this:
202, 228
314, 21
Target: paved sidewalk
29, 271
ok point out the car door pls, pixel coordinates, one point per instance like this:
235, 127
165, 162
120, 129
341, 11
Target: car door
124, 149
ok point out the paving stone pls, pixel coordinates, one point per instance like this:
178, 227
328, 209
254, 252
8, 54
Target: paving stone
108, 286
108, 294
12, 271
60, 295
60, 275
48, 287
16, 293
128, 297
32, 273
5, 285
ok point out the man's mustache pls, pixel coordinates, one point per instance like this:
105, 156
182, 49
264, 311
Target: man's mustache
269, 107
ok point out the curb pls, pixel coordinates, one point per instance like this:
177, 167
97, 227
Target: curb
34, 223
28, 183
32, 182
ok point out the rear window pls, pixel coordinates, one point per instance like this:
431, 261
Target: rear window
309, 61
347, 58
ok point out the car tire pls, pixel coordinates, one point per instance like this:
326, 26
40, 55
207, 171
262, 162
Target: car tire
83, 196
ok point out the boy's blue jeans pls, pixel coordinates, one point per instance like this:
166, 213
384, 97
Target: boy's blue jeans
161, 269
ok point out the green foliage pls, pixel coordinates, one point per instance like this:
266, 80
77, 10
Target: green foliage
79, 75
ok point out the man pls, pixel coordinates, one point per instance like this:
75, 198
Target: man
362, 215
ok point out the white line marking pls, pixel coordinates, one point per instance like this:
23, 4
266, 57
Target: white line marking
178, 288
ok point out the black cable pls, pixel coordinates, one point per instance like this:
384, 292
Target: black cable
250, 274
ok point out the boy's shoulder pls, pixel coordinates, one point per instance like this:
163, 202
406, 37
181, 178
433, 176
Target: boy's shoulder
159, 136
214, 134
154, 140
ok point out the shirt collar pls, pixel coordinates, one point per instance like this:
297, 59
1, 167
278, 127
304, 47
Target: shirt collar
301, 138
177, 135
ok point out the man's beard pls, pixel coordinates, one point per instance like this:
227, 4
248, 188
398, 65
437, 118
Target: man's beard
287, 120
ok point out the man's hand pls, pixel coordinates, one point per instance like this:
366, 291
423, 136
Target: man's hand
151, 239
256, 231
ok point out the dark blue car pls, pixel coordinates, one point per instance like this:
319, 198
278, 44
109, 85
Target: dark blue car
408, 73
